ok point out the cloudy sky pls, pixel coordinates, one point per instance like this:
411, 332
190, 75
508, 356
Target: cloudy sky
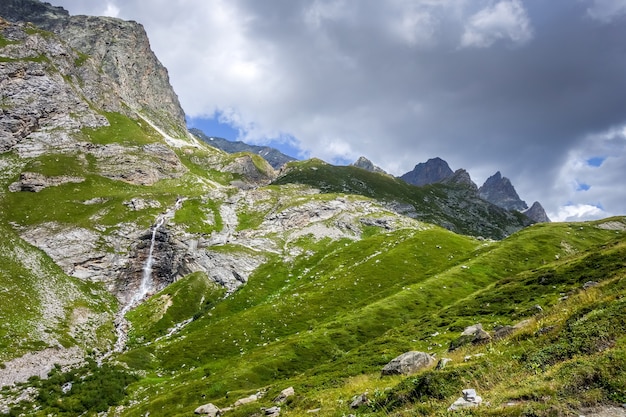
533, 88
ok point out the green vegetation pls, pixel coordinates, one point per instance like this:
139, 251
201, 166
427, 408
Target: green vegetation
123, 130
443, 204
327, 322
88, 391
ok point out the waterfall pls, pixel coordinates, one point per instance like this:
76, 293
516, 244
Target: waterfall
120, 322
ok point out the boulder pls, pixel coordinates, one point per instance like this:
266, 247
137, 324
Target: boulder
208, 410
284, 394
271, 412
359, 400
408, 363
472, 334
442, 363
468, 400
247, 400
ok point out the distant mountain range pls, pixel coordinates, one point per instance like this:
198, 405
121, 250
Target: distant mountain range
272, 155
497, 189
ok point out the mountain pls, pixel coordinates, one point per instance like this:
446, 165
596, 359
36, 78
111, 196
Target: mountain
144, 272
537, 213
429, 172
275, 158
454, 204
367, 165
499, 191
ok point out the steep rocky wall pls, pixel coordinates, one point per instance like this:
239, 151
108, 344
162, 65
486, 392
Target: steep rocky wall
109, 60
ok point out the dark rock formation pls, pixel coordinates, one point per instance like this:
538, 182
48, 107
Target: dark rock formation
537, 214
499, 191
461, 177
429, 172
367, 165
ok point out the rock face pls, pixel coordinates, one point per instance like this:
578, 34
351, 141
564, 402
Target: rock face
429, 172
461, 177
499, 191
273, 156
408, 363
367, 165
537, 213
118, 72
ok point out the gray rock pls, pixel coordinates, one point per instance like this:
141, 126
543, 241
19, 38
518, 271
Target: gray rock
468, 400
408, 363
35, 182
442, 363
284, 394
272, 411
359, 400
209, 410
246, 400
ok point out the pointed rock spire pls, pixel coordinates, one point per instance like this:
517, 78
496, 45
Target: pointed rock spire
499, 191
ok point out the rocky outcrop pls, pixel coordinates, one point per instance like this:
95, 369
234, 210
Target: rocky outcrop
34, 182
367, 165
408, 363
461, 177
537, 214
429, 172
257, 172
111, 62
499, 191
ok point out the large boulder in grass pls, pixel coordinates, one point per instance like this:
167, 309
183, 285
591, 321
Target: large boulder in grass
208, 410
408, 363
472, 334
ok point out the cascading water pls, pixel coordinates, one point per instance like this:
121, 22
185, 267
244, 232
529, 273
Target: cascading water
120, 322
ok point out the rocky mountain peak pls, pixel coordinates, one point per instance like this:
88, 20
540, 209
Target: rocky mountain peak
461, 177
537, 213
112, 62
367, 165
499, 191
429, 172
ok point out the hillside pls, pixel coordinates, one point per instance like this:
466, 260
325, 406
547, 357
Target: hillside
455, 206
273, 156
144, 272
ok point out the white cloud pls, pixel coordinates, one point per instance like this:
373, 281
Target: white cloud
111, 10
505, 20
577, 213
607, 10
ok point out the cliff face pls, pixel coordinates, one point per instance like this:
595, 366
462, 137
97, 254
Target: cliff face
108, 61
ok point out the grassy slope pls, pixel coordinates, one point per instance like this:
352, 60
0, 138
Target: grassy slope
326, 324
437, 203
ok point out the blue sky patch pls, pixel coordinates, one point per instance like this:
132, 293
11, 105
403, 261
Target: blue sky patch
581, 186
596, 161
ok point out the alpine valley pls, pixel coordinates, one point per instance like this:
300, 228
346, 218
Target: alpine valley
145, 272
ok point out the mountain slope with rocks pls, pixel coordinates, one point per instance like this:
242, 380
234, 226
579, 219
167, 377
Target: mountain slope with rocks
273, 156
144, 272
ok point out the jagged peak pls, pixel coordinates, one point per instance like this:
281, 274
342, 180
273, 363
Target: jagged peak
367, 165
537, 213
462, 177
500, 191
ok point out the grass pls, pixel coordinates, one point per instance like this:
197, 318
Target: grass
440, 204
337, 316
122, 130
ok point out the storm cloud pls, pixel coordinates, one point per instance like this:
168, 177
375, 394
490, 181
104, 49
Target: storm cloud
535, 89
